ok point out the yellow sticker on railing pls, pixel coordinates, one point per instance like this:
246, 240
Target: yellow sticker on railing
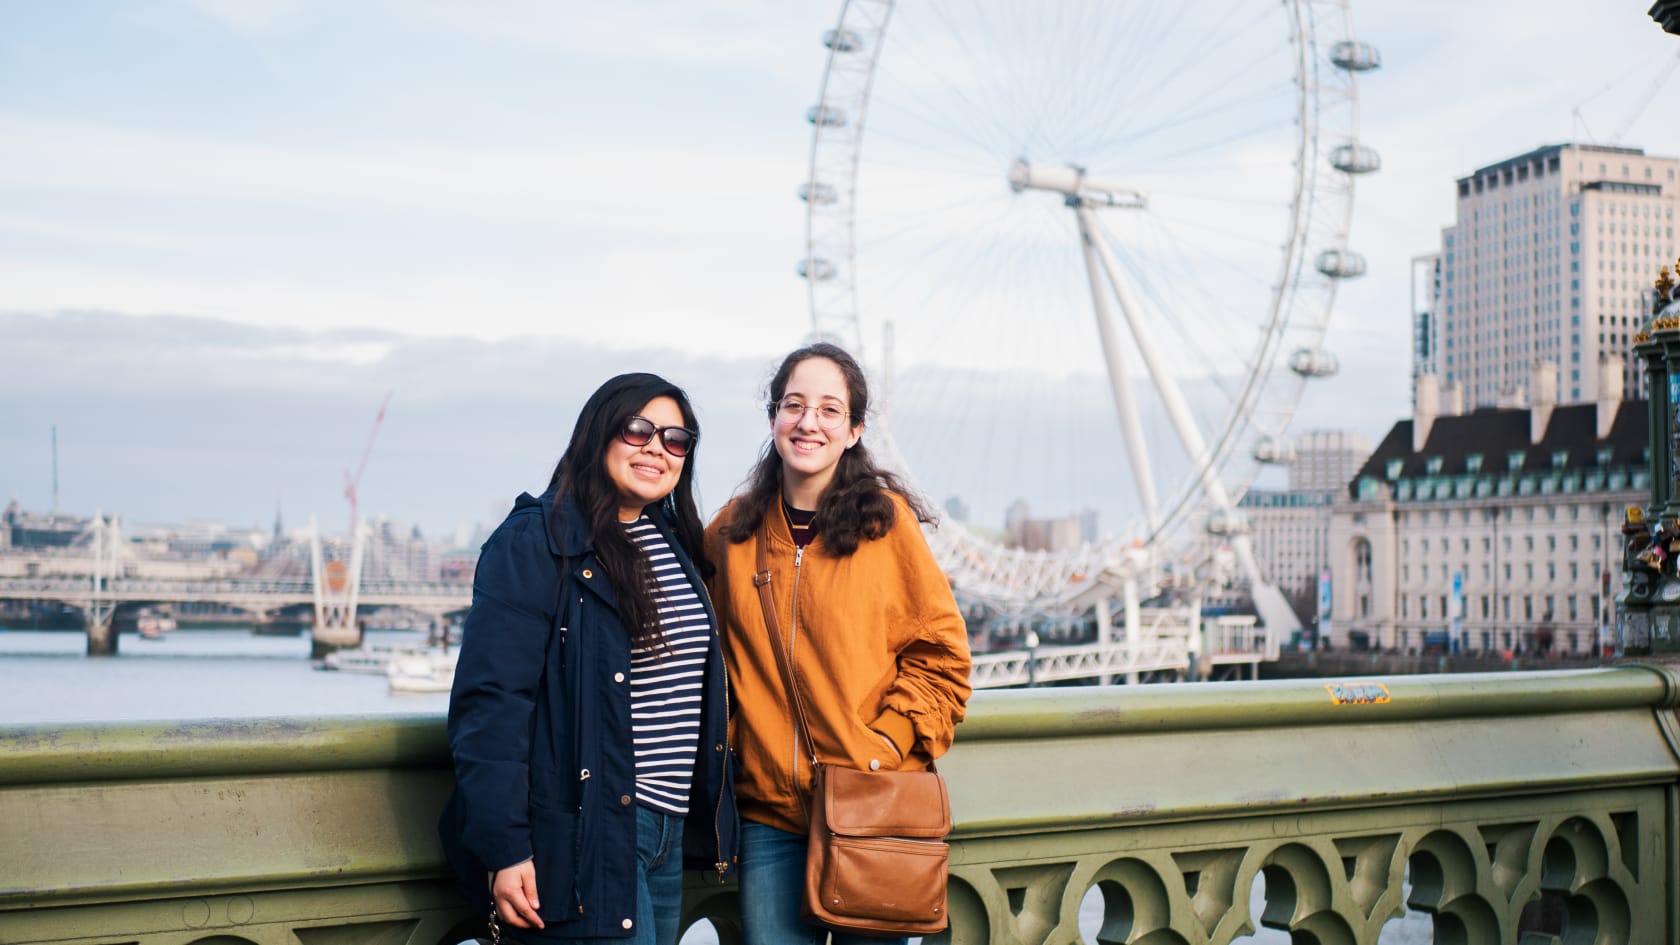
1357, 693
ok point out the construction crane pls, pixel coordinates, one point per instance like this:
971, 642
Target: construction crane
1645, 99
351, 482
1649, 96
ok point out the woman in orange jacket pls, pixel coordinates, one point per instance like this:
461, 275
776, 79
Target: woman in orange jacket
864, 618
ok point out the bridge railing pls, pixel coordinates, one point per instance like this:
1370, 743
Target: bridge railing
189, 589
1539, 807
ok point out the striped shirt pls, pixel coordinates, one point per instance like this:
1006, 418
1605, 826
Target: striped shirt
666, 679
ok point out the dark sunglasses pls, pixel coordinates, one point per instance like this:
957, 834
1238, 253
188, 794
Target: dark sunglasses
639, 431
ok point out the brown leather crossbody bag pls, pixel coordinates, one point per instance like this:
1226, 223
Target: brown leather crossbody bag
877, 858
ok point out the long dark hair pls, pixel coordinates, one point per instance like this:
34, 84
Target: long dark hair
855, 506
582, 475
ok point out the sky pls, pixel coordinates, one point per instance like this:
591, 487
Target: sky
229, 229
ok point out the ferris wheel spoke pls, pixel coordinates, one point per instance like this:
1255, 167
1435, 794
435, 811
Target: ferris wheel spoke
1196, 55
1207, 118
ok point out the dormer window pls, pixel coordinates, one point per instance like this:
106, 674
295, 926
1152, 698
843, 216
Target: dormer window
1433, 465
1394, 468
1473, 463
1560, 459
1515, 459
1604, 454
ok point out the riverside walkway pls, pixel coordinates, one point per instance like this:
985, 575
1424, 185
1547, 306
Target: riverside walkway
1520, 807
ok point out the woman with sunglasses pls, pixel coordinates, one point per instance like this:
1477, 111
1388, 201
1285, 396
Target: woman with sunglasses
866, 619
588, 717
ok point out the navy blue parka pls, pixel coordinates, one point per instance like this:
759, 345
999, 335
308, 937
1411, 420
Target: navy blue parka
539, 726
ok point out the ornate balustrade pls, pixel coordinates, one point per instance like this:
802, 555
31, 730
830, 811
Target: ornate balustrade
1539, 807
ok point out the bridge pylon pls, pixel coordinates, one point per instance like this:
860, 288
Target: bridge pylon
106, 533
337, 587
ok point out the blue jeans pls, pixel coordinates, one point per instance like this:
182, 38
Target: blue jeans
658, 886
773, 885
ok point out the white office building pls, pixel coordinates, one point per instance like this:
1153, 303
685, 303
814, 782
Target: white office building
1550, 259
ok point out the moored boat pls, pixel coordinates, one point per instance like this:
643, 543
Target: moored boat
430, 671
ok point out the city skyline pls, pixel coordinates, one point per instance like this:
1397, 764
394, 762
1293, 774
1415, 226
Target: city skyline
314, 204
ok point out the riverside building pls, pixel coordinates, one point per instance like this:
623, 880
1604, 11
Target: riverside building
1491, 531
1549, 260
1290, 527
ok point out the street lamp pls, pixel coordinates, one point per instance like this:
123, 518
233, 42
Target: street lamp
1032, 658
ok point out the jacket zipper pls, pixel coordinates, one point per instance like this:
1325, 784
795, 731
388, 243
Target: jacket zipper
717, 815
793, 634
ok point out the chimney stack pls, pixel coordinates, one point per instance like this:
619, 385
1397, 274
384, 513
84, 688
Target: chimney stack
1452, 400
1426, 392
1610, 391
1542, 397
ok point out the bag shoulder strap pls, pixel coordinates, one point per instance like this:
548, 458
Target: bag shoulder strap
761, 580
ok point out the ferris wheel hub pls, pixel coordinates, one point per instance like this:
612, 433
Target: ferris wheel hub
1072, 182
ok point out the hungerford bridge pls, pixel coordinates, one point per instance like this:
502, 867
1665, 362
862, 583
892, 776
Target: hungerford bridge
1137, 643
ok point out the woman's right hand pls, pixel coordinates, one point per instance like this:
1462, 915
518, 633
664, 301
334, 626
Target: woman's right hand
513, 890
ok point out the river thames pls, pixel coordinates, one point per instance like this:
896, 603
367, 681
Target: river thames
46, 677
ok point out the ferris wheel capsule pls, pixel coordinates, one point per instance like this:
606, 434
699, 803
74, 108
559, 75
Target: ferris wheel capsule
1314, 362
1273, 449
817, 192
1340, 263
842, 40
1355, 158
1355, 56
825, 116
815, 269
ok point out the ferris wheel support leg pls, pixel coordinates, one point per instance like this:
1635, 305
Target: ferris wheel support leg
1268, 600
1124, 403
1105, 634
1134, 630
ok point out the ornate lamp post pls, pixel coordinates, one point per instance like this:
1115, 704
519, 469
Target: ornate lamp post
1648, 607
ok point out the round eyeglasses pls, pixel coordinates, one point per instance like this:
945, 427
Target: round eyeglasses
791, 410
640, 431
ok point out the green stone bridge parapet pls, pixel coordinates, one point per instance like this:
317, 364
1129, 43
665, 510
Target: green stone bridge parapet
1550, 794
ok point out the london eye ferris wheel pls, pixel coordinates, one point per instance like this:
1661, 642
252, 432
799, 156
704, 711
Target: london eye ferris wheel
1090, 248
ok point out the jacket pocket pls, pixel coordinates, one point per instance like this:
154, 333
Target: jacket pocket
554, 847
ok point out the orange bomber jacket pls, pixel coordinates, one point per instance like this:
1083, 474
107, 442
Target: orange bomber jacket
879, 650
